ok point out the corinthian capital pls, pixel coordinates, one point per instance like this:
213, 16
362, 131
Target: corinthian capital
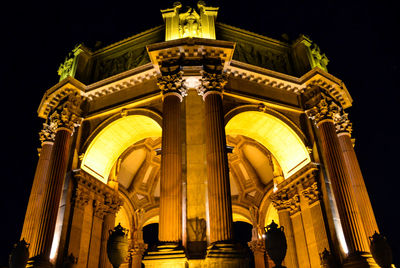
48, 132
67, 114
343, 124
326, 108
172, 83
212, 82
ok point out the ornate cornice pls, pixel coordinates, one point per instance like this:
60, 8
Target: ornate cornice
106, 199
304, 182
315, 77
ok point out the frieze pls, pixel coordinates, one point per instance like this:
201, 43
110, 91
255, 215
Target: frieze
262, 57
128, 60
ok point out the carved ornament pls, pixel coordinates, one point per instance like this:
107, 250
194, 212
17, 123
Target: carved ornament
48, 132
343, 124
312, 193
67, 114
99, 208
172, 83
80, 197
212, 82
257, 245
325, 109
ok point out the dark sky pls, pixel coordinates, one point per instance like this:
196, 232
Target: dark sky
360, 39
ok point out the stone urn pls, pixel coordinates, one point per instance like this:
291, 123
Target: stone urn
381, 251
275, 243
117, 245
19, 255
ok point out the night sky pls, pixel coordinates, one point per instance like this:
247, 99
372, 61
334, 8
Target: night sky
360, 39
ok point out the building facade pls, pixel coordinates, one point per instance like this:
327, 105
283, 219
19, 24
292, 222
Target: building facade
195, 125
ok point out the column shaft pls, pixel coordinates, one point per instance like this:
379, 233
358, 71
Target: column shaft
108, 224
335, 165
52, 193
170, 225
291, 255
219, 196
35, 200
358, 185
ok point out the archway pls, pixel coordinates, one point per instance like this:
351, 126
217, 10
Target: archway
113, 140
275, 135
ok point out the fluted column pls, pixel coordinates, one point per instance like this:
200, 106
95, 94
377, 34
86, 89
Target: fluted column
322, 114
343, 129
170, 224
283, 206
219, 196
112, 205
66, 119
46, 136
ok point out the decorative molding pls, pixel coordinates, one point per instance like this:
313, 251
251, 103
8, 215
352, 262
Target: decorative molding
172, 83
343, 124
67, 114
106, 199
212, 82
80, 197
325, 109
48, 132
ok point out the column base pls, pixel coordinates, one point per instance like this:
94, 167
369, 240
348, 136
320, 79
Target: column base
227, 254
360, 260
166, 255
39, 262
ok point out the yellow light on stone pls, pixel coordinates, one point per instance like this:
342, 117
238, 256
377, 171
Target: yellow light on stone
113, 140
275, 135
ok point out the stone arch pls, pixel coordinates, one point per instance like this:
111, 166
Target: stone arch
275, 132
114, 136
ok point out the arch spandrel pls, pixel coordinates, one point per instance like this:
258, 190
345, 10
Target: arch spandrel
280, 139
113, 140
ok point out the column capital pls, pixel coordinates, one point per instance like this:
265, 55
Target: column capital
80, 197
283, 202
343, 124
325, 109
67, 114
172, 84
312, 193
212, 82
48, 132
257, 245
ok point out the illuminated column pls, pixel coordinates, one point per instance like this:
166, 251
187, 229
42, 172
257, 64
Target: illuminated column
112, 205
282, 206
96, 232
80, 199
322, 114
257, 244
138, 247
170, 224
46, 135
313, 221
258, 249
66, 119
343, 129
219, 196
